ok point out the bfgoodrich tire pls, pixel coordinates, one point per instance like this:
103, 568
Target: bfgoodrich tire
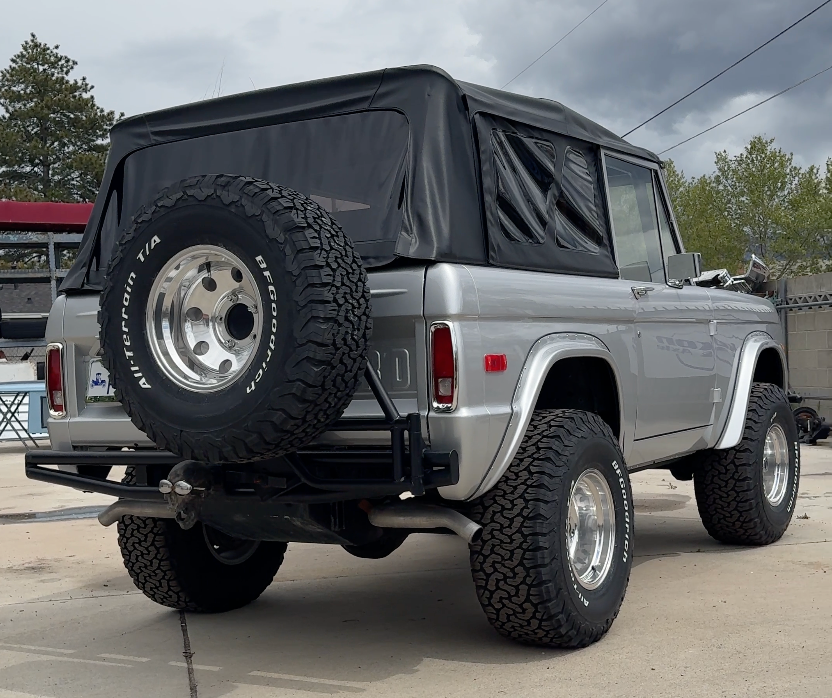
235, 319
746, 495
200, 569
539, 577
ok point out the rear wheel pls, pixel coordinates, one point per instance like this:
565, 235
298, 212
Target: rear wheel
201, 569
747, 494
553, 563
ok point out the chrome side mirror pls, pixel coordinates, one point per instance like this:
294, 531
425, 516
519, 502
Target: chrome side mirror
683, 267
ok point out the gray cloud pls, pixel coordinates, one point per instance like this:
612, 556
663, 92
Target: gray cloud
634, 57
628, 61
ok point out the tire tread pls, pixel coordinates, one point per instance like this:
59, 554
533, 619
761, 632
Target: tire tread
728, 491
513, 562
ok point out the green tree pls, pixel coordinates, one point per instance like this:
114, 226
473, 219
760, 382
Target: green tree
757, 202
825, 224
701, 212
53, 136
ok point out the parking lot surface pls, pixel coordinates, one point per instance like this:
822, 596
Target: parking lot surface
700, 618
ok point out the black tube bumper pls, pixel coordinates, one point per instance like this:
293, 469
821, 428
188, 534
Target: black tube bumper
35, 460
313, 474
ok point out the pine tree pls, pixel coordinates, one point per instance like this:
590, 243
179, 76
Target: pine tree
53, 136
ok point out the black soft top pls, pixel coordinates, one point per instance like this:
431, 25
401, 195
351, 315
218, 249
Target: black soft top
442, 216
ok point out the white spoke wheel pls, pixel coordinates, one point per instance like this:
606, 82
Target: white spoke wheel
552, 566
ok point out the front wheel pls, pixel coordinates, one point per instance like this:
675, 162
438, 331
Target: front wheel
552, 566
746, 495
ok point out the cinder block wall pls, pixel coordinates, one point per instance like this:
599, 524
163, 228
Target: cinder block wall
810, 343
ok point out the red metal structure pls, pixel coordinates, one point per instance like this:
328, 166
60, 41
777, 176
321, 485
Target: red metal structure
44, 216
41, 224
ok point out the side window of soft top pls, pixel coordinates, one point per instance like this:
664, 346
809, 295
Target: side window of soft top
531, 207
578, 223
543, 200
634, 221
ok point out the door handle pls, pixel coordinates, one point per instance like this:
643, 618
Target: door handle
641, 291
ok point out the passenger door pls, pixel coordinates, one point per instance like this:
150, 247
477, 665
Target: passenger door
676, 369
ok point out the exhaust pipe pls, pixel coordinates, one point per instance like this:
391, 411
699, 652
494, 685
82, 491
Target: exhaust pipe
418, 516
134, 507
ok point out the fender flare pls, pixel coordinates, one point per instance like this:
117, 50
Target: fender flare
544, 354
754, 345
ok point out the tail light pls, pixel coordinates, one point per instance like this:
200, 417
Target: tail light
443, 367
55, 396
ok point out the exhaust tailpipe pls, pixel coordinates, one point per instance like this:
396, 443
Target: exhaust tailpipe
134, 507
405, 515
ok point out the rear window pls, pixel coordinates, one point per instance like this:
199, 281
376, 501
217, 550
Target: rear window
352, 165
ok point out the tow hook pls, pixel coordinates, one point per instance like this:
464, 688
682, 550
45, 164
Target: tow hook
185, 489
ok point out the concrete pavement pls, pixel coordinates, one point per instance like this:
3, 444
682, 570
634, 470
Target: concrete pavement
700, 618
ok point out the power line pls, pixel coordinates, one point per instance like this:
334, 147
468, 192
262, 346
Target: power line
558, 41
733, 65
745, 111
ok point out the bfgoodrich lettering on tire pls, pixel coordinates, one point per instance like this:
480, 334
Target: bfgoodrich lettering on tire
554, 560
235, 320
747, 494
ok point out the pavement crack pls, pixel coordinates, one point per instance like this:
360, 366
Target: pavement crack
188, 654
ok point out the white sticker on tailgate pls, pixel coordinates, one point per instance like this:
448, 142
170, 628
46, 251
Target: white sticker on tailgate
98, 385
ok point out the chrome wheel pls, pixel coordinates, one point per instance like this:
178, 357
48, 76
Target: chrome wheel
227, 549
204, 318
775, 465
590, 529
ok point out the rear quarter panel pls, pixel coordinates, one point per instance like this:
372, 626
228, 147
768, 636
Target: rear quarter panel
503, 311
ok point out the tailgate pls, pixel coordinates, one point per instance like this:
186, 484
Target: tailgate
397, 352
397, 349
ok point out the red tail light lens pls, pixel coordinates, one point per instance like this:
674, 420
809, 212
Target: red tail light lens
55, 380
443, 367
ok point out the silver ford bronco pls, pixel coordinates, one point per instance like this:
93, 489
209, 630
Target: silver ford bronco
350, 310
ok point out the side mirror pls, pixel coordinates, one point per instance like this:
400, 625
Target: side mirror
683, 267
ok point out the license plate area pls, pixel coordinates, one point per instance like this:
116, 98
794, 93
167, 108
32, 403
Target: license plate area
99, 388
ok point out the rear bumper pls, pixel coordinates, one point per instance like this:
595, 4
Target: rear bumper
315, 474
103, 460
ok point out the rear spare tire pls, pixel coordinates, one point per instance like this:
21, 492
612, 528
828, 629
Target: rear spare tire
235, 319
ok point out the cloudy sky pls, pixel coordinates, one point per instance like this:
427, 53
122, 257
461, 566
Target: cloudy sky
629, 60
